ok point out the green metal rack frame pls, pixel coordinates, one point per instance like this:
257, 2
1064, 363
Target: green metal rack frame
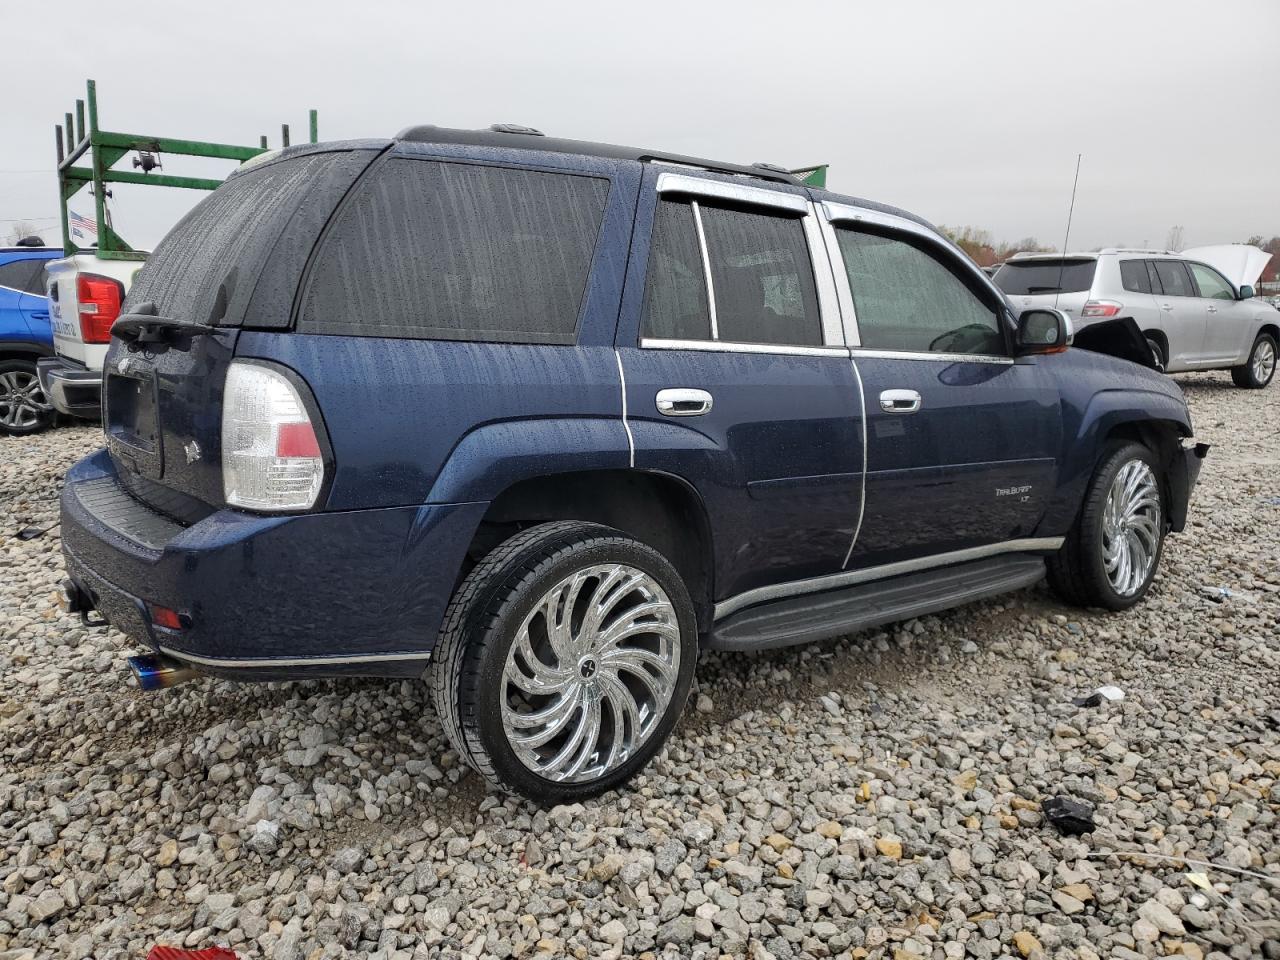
105, 148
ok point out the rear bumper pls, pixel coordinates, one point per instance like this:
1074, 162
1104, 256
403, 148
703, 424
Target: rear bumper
1183, 474
71, 388
354, 593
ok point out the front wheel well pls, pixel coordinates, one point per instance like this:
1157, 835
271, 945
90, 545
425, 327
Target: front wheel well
1271, 328
1162, 437
657, 509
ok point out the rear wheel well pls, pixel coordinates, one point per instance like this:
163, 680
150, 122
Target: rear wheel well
657, 509
1159, 337
11, 353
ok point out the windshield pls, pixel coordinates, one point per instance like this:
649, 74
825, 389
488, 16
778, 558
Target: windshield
1032, 277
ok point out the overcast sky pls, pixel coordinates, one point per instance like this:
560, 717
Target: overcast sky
965, 113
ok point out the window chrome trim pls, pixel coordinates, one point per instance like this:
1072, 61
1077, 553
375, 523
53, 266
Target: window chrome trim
848, 578
706, 269
829, 312
926, 355
756, 196
723, 346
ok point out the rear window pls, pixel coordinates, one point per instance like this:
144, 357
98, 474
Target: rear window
207, 267
1033, 277
454, 251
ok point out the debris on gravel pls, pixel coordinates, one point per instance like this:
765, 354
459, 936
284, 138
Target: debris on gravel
883, 796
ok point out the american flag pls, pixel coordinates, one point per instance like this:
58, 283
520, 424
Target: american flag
82, 228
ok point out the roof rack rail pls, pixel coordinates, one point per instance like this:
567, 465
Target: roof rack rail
1166, 253
520, 140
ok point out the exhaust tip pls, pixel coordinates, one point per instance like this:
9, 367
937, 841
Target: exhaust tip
153, 672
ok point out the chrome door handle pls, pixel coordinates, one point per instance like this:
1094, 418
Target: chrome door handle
1211, 309
683, 402
1166, 306
899, 401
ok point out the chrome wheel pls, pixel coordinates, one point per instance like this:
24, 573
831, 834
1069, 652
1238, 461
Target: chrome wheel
591, 673
21, 400
1264, 361
1131, 527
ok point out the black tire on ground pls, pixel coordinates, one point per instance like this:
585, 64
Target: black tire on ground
17, 416
1244, 376
481, 625
1077, 572
1157, 353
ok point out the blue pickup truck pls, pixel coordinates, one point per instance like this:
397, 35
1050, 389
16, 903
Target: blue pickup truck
25, 336
535, 420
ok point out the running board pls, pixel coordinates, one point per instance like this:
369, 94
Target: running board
821, 616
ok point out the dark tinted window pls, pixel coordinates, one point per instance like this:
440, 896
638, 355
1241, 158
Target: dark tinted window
675, 291
1174, 278
207, 266
1210, 283
907, 299
1133, 275
17, 274
456, 251
1031, 277
761, 278
37, 284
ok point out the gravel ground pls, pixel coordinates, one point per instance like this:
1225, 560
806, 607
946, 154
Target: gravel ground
876, 797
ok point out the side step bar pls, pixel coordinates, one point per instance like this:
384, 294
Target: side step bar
821, 616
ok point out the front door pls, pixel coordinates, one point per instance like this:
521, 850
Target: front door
1227, 320
736, 377
961, 437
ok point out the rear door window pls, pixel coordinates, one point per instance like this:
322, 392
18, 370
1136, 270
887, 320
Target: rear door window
1174, 279
455, 251
906, 299
1033, 277
762, 277
17, 274
1211, 283
1133, 275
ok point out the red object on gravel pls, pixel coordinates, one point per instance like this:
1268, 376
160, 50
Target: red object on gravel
208, 953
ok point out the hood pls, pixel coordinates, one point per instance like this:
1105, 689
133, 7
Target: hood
1238, 262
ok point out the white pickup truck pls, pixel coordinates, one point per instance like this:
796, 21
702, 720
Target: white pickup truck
85, 293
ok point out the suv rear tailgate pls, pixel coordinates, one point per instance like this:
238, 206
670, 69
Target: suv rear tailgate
233, 260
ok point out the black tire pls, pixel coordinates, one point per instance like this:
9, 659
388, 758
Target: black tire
1157, 353
21, 374
1077, 572
480, 627
1245, 376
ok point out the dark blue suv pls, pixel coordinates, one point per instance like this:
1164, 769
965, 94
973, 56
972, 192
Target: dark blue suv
536, 419
25, 336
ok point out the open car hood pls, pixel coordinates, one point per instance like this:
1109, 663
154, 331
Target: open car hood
1238, 262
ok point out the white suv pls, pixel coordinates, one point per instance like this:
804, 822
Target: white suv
1196, 308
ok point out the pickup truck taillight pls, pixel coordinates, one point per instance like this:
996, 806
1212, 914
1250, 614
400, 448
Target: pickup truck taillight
1096, 309
271, 454
99, 305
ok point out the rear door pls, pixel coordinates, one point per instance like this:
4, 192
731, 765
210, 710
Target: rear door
1228, 321
961, 437
16, 303
1183, 317
737, 378
234, 259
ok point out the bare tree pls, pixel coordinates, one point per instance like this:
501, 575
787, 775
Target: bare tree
1174, 240
20, 230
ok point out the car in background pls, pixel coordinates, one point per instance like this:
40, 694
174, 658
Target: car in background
85, 293
1196, 309
25, 335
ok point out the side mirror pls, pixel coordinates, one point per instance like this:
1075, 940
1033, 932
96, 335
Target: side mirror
1043, 330
1246, 292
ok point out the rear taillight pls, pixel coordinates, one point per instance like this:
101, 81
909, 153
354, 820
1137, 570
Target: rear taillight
271, 454
1096, 309
100, 299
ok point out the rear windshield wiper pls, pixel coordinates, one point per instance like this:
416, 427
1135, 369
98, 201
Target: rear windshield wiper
144, 326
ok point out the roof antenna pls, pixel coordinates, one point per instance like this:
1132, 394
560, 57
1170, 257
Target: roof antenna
1062, 264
